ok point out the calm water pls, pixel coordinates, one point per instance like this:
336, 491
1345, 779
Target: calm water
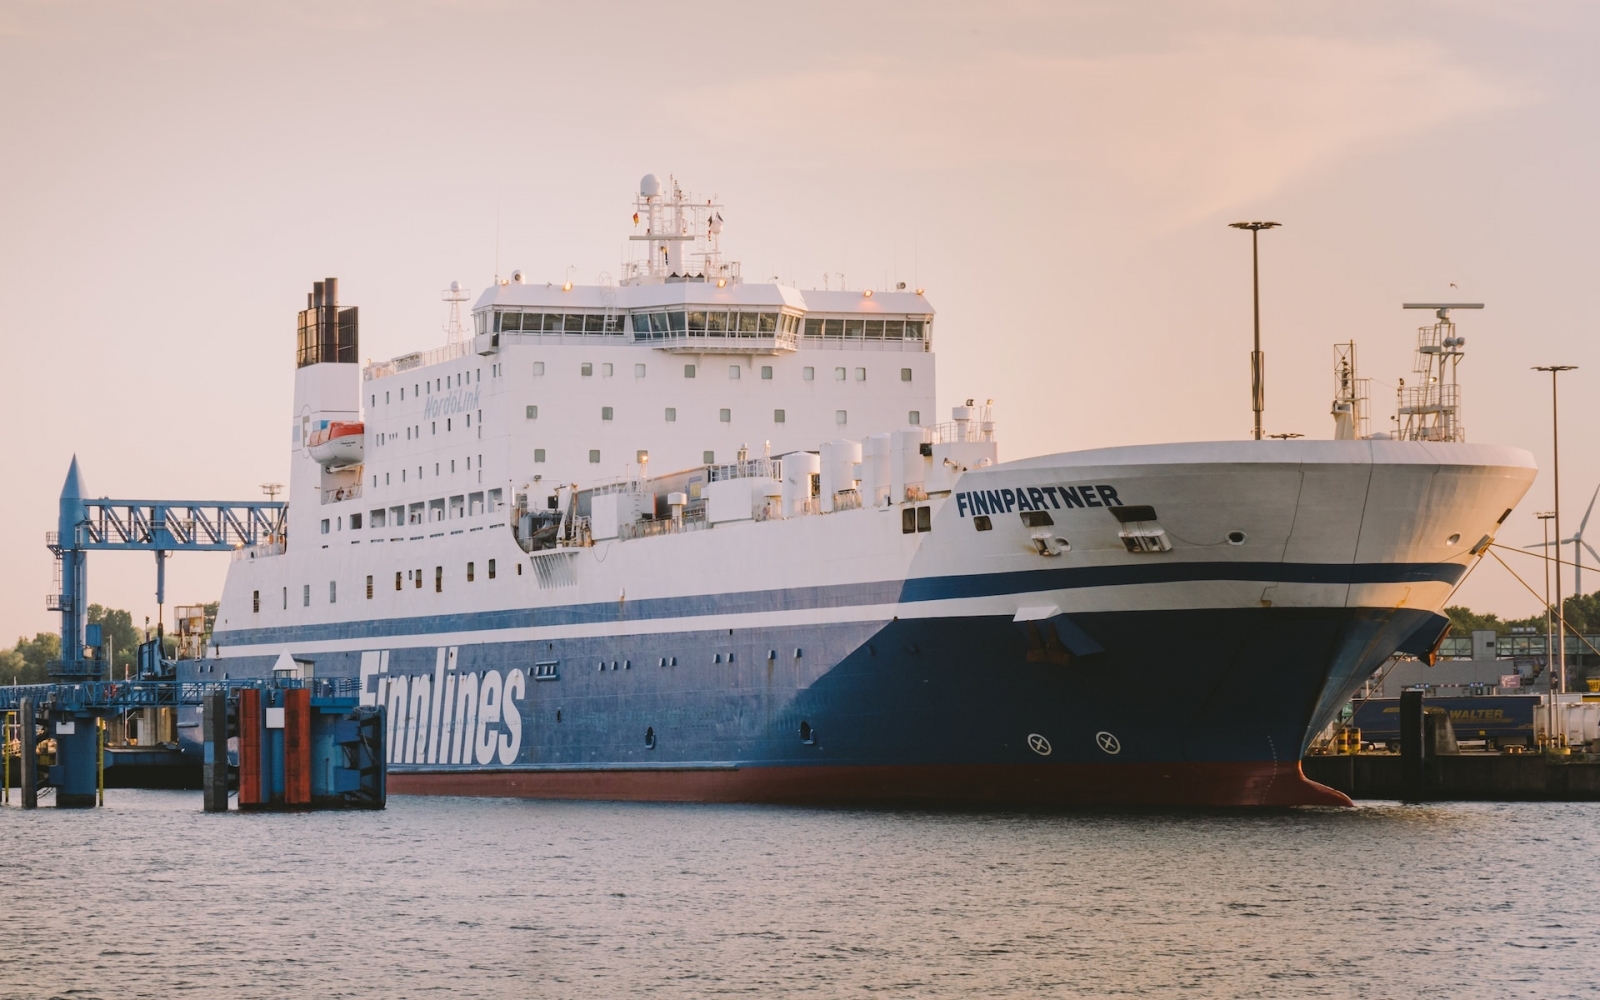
484, 898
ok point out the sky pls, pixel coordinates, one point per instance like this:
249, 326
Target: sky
1058, 176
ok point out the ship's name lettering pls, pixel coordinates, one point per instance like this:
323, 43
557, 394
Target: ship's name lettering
447, 716
457, 401
1008, 499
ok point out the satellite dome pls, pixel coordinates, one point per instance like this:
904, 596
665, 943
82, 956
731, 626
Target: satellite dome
649, 187
455, 286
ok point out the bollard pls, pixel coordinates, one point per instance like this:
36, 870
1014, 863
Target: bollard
214, 731
1412, 767
28, 733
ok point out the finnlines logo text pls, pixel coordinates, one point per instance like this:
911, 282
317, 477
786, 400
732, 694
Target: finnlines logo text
446, 716
1004, 501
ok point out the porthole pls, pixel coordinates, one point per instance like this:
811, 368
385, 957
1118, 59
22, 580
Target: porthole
1236, 538
1453, 539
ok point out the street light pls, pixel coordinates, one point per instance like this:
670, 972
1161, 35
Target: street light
1555, 448
1544, 517
1258, 392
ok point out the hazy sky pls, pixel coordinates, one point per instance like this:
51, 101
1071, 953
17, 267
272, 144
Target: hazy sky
1058, 176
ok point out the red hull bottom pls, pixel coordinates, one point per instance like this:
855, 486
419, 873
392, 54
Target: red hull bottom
978, 785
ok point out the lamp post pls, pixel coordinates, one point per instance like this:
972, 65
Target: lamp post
1555, 465
1258, 389
1544, 517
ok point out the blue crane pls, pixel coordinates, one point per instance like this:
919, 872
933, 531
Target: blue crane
159, 526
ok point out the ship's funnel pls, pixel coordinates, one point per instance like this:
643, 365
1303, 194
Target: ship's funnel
326, 334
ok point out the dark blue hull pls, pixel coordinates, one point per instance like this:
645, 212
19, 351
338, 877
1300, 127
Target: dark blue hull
964, 709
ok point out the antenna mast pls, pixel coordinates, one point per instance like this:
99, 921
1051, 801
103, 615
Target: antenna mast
1431, 411
1350, 397
455, 295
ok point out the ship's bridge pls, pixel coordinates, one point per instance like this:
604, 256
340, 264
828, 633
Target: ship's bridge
703, 318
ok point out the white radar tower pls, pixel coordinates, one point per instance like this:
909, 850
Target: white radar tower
455, 295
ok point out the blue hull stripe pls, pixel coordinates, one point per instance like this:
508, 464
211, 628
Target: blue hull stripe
936, 588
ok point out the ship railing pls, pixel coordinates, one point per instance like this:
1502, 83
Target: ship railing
847, 500
351, 492
750, 468
702, 342
416, 359
271, 547
691, 520
962, 430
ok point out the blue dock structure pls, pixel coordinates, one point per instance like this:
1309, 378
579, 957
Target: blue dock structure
159, 526
301, 743
294, 742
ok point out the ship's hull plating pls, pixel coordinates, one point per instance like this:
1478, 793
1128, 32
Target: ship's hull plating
1209, 707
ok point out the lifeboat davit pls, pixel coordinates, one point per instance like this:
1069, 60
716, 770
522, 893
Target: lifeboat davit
338, 444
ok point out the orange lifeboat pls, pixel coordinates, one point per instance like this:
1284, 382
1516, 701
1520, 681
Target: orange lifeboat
338, 444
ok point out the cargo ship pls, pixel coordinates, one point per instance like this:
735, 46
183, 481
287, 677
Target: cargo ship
829, 594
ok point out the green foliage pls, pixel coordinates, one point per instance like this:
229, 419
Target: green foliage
1582, 612
118, 631
1465, 621
29, 662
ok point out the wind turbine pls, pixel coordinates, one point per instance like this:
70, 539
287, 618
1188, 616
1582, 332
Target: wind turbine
1578, 545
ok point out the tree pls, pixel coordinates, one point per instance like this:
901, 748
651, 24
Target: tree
116, 627
35, 655
1465, 621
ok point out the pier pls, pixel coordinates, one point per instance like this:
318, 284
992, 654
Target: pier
303, 744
